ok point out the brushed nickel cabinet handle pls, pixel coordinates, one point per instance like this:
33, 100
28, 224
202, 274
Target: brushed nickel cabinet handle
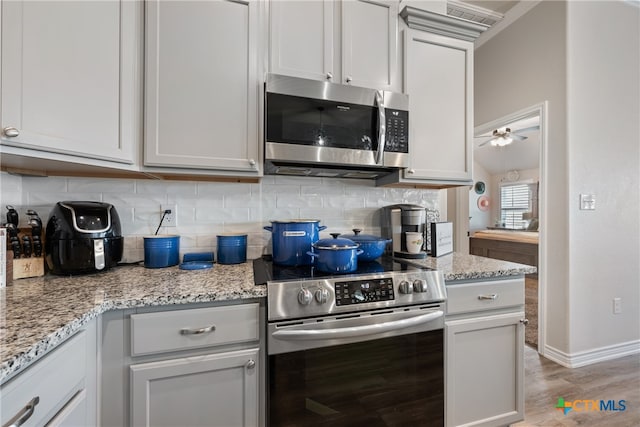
488, 297
411, 171
329, 76
252, 162
525, 322
250, 364
10, 132
198, 331
348, 79
25, 413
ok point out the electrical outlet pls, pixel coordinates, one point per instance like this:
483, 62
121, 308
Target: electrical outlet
617, 305
170, 219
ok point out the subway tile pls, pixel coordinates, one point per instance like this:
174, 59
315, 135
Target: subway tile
136, 200
325, 190
187, 188
238, 200
51, 198
345, 203
297, 180
268, 214
288, 201
43, 185
224, 215
96, 185
204, 188
273, 189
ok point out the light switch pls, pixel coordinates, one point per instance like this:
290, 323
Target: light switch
587, 202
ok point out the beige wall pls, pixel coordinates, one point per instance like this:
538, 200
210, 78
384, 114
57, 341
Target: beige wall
522, 66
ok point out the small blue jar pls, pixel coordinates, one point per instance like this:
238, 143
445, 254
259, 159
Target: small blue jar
232, 248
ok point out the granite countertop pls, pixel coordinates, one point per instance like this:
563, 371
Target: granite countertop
459, 266
39, 313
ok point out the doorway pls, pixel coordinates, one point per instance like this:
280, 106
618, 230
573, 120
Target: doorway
509, 192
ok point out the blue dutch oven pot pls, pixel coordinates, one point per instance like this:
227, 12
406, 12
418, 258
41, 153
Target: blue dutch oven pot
372, 246
292, 240
336, 255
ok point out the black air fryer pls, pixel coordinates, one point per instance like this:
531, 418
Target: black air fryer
83, 237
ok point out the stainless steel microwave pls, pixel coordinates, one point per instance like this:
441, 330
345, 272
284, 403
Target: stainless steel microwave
317, 128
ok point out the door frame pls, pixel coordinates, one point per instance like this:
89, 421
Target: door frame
540, 110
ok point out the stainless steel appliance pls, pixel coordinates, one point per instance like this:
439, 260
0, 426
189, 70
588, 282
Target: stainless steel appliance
83, 237
396, 221
316, 128
358, 349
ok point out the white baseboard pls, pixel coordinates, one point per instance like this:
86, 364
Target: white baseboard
583, 358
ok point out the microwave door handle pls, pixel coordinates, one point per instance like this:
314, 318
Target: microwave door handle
382, 131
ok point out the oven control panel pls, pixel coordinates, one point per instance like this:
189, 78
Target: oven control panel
363, 291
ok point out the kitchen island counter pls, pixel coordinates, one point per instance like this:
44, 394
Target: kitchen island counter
38, 314
459, 266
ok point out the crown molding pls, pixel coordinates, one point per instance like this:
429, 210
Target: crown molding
442, 24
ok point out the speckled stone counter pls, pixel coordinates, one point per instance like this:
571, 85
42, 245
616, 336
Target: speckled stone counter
459, 266
37, 314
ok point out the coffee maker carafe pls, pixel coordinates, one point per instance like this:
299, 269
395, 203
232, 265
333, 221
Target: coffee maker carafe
396, 222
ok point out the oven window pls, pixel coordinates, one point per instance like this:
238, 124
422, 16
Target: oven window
316, 122
397, 381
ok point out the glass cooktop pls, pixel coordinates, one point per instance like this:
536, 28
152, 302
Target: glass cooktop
265, 270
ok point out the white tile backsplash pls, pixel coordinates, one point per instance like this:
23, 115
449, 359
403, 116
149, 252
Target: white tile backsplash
208, 208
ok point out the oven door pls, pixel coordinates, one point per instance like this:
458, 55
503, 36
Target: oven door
371, 369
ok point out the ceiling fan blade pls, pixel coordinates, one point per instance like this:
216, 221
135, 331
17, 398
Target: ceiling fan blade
536, 127
517, 137
486, 142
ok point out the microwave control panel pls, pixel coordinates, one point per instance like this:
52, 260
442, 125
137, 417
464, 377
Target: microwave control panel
397, 131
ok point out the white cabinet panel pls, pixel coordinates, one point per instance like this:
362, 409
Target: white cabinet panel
302, 38
68, 77
369, 43
218, 390
202, 85
439, 81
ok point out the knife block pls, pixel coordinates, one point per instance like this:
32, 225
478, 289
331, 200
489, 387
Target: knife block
27, 267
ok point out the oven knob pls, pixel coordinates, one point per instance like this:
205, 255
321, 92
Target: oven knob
420, 285
322, 295
405, 287
305, 297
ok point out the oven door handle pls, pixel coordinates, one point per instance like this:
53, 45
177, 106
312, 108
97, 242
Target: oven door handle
355, 331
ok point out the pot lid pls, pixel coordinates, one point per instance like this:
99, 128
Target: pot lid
290, 221
335, 243
357, 237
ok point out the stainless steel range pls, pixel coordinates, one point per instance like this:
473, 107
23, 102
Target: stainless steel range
358, 349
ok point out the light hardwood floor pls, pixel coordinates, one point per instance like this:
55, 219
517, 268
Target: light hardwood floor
546, 381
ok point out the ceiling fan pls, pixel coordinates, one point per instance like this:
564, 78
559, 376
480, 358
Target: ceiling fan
505, 136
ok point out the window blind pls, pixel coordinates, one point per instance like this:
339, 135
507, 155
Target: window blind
515, 201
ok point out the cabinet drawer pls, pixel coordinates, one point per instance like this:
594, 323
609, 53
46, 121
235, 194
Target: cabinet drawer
469, 297
188, 329
53, 381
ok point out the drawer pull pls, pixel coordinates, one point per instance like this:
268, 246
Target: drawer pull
24, 414
488, 297
198, 331
250, 364
525, 322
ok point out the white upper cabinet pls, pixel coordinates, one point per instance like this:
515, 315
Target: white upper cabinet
438, 80
369, 43
69, 78
306, 40
202, 86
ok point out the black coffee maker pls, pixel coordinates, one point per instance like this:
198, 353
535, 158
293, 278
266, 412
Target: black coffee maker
396, 221
83, 237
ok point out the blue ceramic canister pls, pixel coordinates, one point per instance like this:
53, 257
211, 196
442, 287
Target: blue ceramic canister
161, 251
292, 239
232, 248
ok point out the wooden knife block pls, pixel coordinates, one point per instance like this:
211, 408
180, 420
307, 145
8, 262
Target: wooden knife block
27, 267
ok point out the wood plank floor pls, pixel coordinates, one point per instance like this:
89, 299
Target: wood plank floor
546, 381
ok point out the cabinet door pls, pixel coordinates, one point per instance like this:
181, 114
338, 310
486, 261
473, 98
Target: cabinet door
438, 79
213, 390
484, 370
302, 39
369, 43
68, 77
202, 87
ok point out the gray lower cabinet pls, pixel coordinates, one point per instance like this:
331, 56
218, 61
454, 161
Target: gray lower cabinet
58, 390
484, 353
195, 365
212, 390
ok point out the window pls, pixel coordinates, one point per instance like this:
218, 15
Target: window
518, 204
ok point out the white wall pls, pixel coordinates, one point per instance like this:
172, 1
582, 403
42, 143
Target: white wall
206, 208
583, 57
526, 65
480, 220
604, 151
